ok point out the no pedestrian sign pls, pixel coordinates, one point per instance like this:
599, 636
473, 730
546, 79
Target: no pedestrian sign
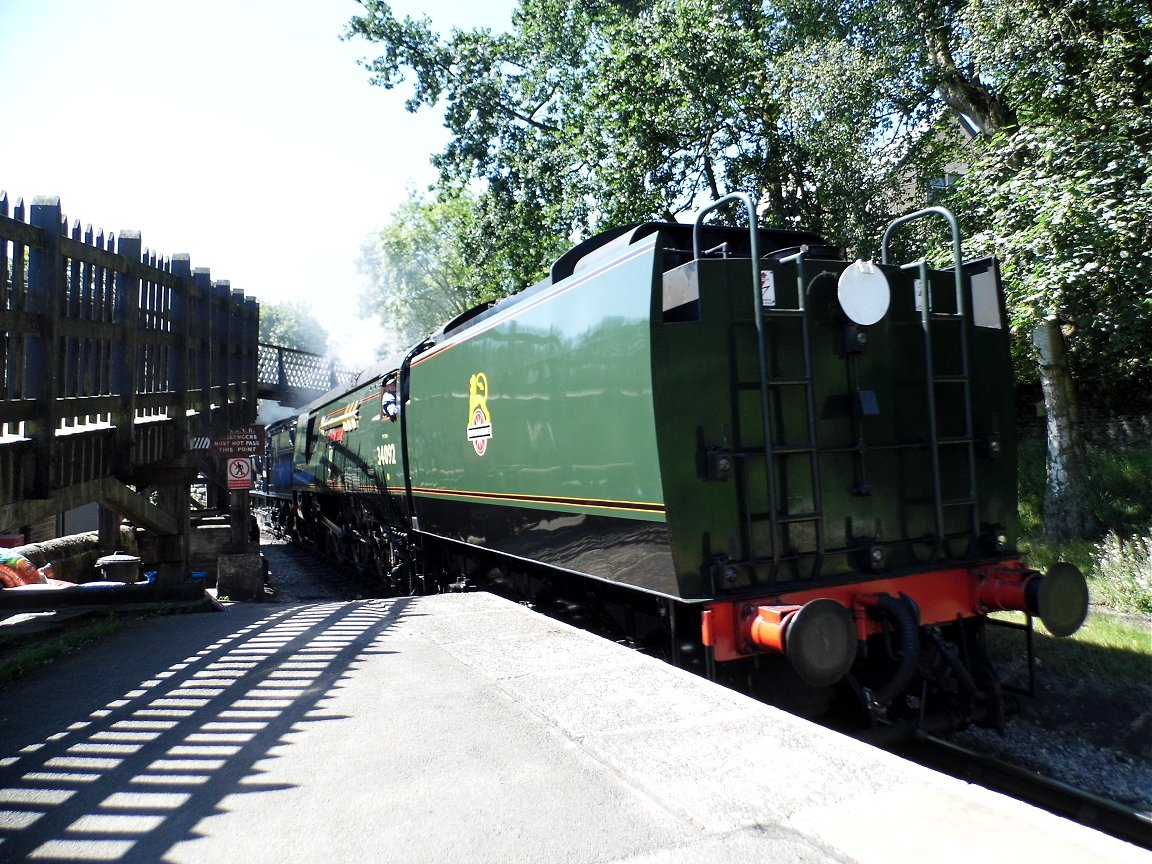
240, 473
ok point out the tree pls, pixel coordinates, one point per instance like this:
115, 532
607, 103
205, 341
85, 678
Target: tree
602, 112
291, 325
427, 266
1065, 197
1057, 183
841, 112
503, 99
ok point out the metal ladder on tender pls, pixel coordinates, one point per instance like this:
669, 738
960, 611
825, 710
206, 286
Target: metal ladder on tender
770, 455
961, 318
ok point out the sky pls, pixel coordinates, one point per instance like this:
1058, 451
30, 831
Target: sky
242, 133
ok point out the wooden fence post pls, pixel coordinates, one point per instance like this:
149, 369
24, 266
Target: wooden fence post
250, 361
202, 280
178, 356
235, 300
41, 354
221, 292
125, 350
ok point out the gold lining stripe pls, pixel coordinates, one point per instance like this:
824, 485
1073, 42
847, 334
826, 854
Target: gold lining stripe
344, 414
601, 503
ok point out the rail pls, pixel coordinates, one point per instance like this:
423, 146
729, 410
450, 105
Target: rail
1084, 808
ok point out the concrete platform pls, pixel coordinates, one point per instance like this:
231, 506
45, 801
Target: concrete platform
459, 728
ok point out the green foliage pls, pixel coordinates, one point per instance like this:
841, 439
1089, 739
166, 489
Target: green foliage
1030, 481
1123, 575
499, 102
803, 122
1119, 570
428, 265
291, 325
1065, 197
1118, 488
1118, 483
1073, 229
605, 113
1041, 554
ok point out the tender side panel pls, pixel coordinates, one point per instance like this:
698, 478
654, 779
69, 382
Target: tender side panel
533, 433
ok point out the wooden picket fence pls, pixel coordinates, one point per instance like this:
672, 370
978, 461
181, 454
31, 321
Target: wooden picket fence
113, 360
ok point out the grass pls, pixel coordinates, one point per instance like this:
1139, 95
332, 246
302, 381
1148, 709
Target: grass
1108, 648
1115, 644
21, 660
1118, 563
1116, 648
1118, 482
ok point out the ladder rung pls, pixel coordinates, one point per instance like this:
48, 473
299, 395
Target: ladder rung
758, 452
774, 382
787, 520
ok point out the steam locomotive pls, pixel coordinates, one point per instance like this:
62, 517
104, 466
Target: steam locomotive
793, 473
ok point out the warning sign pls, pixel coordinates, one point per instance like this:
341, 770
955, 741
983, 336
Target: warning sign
246, 441
240, 473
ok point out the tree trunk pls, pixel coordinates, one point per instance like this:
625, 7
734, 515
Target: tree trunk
1066, 511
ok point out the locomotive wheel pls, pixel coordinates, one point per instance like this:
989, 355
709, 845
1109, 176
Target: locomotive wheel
329, 544
360, 553
380, 559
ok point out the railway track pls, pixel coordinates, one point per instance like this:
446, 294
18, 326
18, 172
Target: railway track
1084, 808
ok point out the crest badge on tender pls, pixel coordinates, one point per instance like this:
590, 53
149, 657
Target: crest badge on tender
479, 420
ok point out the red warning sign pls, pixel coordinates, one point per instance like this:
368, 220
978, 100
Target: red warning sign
240, 473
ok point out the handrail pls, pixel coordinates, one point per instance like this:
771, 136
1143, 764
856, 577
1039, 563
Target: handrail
964, 313
753, 228
957, 250
761, 343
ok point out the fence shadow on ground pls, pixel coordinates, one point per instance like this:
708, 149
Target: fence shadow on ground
138, 774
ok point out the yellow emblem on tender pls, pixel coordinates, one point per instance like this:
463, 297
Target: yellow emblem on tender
479, 420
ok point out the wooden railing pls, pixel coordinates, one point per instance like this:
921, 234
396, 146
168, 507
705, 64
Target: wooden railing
112, 361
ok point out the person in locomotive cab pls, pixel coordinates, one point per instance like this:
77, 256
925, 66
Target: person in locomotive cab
389, 404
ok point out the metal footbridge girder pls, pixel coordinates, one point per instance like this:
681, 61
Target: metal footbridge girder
293, 377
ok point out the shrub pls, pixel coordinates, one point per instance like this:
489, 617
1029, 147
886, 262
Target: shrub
1123, 573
